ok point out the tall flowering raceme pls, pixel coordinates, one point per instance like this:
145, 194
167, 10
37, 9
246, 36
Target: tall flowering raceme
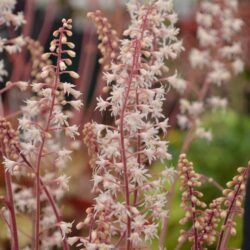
108, 38
216, 223
218, 60
42, 124
42, 156
129, 206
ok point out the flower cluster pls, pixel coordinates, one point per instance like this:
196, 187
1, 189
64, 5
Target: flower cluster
7, 16
126, 149
41, 125
131, 203
9, 140
232, 202
90, 140
218, 59
221, 212
44, 120
190, 180
211, 222
37, 60
108, 38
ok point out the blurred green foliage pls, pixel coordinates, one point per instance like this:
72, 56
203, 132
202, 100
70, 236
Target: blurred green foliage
218, 159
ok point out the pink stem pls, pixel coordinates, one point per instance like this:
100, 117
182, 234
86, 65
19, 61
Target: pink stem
10, 203
196, 243
134, 68
56, 212
220, 245
40, 151
185, 146
8, 87
138, 142
49, 196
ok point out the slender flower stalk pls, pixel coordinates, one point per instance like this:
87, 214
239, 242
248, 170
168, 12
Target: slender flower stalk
220, 212
38, 162
109, 41
42, 122
10, 205
8, 152
46, 130
131, 204
233, 201
126, 150
57, 45
191, 199
17, 151
10, 148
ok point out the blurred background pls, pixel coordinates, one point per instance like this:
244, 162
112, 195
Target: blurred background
231, 128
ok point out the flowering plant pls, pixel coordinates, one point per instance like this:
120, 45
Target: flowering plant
131, 205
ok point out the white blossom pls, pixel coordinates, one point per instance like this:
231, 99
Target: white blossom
9, 165
127, 148
217, 102
102, 104
22, 85
202, 133
63, 182
177, 83
199, 58
77, 104
63, 156
72, 131
66, 227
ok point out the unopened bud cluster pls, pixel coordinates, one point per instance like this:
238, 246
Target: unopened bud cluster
38, 61
232, 203
191, 202
209, 225
9, 139
108, 38
90, 140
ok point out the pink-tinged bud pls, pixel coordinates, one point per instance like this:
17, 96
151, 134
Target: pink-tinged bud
71, 53
46, 56
80, 225
73, 74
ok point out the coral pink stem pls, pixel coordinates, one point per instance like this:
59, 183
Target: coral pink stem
221, 242
134, 68
40, 151
185, 146
196, 242
49, 196
10, 204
